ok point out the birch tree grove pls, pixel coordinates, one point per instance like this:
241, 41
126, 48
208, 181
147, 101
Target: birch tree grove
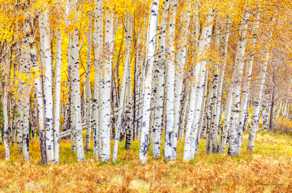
173, 78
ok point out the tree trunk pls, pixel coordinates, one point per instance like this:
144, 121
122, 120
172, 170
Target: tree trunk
98, 47
5, 110
105, 90
147, 82
258, 104
125, 85
46, 60
198, 90
57, 104
246, 87
88, 105
236, 87
170, 134
24, 89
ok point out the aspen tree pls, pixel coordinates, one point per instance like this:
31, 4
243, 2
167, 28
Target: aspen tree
221, 84
57, 105
87, 93
246, 87
170, 149
98, 47
181, 60
5, 84
75, 88
105, 90
46, 60
236, 87
159, 83
24, 88
259, 99
125, 91
147, 82
213, 141
36, 70
198, 89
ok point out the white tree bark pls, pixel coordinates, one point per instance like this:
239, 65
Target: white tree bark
147, 81
57, 104
125, 86
5, 85
221, 84
236, 87
159, 82
105, 90
98, 47
24, 89
246, 87
181, 60
46, 59
76, 97
258, 103
197, 89
170, 149
213, 140
36, 70
88, 105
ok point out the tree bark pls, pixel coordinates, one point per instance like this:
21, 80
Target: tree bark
147, 82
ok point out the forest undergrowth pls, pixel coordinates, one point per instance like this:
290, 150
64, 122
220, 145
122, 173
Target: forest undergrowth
268, 169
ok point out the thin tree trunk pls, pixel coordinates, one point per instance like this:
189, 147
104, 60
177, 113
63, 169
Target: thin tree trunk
46, 60
105, 90
236, 88
246, 87
181, 61
125, 85
88, 105
57, 104
24, 89
98, 46
170, 134
198, 90
76, 98
258, 104
5, 106
147, 82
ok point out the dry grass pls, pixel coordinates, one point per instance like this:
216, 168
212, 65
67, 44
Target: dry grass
268, 169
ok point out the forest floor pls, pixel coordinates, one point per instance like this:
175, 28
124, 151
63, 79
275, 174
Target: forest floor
268, 169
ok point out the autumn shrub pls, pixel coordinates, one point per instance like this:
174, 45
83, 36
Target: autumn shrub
283, 124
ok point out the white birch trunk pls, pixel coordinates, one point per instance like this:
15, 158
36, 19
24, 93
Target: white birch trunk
105, 90
236, 87
213, 141
197, 90
46, 60
24, 90
88, 105
98, 46
147, 82
246, 87
125, 91
170, 149
5, 106
181, 60
76, 97
159, 82
258, 103
221, 85
57, 104
36, 69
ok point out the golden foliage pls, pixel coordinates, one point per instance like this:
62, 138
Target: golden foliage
268, 169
